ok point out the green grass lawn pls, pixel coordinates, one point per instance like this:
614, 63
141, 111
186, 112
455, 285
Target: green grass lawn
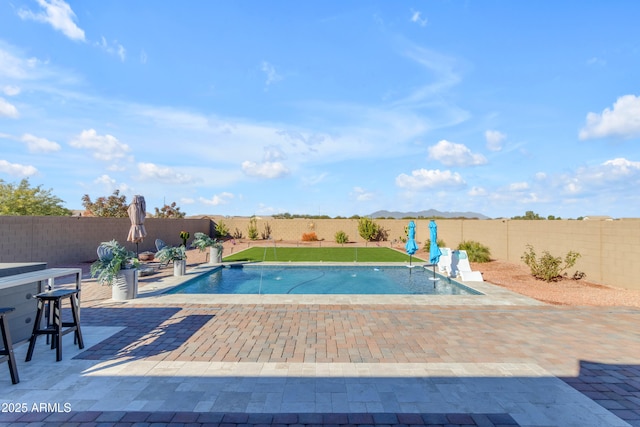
320, 254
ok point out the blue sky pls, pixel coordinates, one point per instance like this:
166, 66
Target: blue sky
326, 107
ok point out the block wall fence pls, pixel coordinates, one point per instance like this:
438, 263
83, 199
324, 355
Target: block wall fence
61, 240
610, 249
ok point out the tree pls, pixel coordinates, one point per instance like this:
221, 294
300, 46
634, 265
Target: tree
169, 211
32, 201
114, 206
528, 215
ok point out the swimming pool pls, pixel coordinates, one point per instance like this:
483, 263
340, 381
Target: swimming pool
356, 280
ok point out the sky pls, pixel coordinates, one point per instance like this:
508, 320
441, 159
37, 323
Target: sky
335, 108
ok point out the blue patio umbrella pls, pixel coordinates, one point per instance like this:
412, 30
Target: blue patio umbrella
411, 245
434, 250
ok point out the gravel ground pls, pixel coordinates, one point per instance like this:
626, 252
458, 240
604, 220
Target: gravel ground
518, 278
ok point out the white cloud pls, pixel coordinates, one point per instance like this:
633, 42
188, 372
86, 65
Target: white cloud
519, 186
162, 173
314, 179
362, 195
106, 180
114, 48
17, 169
218, 199
622, 167
622, 121
59, 15
423, 179
269, 170
11, 90
13, 65
105, 147
8, 110
477, 191
39, 145
494, 139
274, 153
452, 154
616, 175
573, 187
143, 57
270, 71
416, 17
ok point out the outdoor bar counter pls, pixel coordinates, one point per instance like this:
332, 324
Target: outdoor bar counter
19, 283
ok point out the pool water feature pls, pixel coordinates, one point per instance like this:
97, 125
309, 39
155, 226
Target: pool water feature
324, 280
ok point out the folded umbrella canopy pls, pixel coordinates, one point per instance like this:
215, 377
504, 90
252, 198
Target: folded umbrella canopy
434, 250
137, 211
411, 246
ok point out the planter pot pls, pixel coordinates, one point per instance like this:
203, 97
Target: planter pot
180, 267
215, 255
126, 285
146, 256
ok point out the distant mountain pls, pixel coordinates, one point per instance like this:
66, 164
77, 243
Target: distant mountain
427, 214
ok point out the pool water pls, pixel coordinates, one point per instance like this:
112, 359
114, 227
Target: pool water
358, 280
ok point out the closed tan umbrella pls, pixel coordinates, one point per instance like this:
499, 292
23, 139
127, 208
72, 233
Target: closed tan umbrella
137, 212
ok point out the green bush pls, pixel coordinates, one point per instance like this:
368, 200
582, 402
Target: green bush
222, 229
341, 237
427, 244
370, 230
252, 229
547, 267
476, 251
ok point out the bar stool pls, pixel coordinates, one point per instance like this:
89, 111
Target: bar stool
6, 354
56, 328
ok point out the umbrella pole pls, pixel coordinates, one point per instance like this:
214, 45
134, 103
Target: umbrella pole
137, 253
434, 276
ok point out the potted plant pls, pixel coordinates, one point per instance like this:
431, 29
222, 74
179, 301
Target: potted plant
184, 235
117, 267
202, 241
176, 254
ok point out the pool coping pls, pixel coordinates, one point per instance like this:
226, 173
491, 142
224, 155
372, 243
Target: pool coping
154, 292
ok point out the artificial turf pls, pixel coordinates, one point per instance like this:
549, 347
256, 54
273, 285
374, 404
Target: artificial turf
340, 254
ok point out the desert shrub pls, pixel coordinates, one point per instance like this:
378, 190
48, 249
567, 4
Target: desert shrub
309, 237
266, 234
341, 237
427, 244
548, 267
252, 229
476, 251
368, 229
371, 231
237, 234
222, 229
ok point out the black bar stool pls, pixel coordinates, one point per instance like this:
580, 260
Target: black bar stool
56, 328
6, 354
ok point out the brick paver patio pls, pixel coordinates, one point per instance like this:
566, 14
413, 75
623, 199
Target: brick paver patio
338, 351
